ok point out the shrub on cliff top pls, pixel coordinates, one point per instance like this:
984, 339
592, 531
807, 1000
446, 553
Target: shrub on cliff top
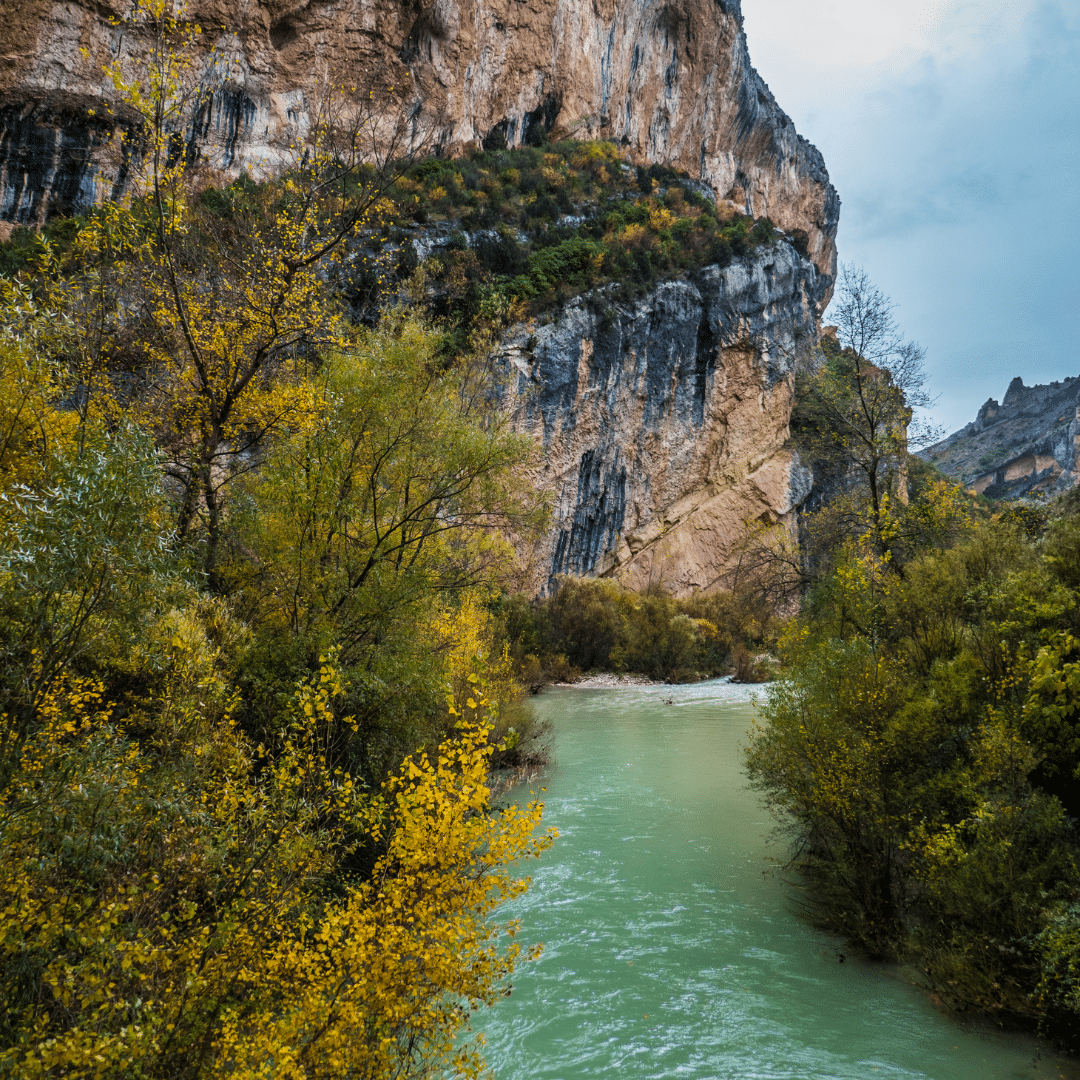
556, 221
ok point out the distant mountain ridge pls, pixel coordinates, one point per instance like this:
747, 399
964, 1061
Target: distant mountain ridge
1029, 445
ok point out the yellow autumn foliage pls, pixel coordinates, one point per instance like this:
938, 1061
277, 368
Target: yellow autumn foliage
193, 915
476, 669
231, 285
660, 217
204, 869
32, 428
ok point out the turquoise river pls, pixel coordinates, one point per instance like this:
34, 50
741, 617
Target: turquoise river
671, 945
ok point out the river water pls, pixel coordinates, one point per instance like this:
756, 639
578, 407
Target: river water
671, 947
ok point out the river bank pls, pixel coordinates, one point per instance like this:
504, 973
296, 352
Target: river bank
607, 680
667, 951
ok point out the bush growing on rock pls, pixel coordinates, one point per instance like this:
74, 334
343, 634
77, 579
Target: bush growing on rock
566, 218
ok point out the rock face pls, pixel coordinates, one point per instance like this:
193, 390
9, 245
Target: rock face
1028, 444
662, 423
670, 80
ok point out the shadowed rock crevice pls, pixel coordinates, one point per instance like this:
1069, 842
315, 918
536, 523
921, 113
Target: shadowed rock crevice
599, 512
537, 123
229, 113
52, 152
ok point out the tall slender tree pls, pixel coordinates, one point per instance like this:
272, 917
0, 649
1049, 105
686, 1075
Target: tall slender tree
857, 401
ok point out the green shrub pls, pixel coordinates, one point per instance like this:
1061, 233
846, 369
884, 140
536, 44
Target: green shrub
922, 748
20, 252
594, 624
636, 227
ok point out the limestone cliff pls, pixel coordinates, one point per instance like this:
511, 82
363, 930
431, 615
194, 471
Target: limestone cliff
662, 422
1028, 444
670, 80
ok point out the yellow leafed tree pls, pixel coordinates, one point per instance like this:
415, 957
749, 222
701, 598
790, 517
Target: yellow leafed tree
232, 286
194, 915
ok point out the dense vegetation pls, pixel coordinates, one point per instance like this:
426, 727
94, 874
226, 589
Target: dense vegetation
250, 687
258, 661
259, 657
534, 226
597, 625
511, 233
923, 745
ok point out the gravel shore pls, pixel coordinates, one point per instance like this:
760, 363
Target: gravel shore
608, 681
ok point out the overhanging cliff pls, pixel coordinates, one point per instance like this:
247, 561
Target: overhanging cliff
669, 80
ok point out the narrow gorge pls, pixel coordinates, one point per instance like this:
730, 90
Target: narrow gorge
406, 405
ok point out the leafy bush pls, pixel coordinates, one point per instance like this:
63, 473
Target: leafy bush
922, 749
249, 696
569, 217
186, 914
21, 251
747, 668
594, 624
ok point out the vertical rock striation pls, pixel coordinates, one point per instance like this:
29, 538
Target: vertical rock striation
662, 423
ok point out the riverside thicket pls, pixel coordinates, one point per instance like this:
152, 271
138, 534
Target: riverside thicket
922, 747
250, 692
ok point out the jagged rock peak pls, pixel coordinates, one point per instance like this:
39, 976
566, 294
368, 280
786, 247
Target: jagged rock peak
1028, 444
986, 414
1015, 391
670, 80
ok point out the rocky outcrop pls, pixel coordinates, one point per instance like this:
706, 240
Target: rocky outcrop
1027, 445
669, 80
52, 149
661, 423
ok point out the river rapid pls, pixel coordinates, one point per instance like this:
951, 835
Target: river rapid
671, 944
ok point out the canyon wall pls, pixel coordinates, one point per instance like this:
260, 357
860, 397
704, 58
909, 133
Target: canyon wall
662, 423
670, 80
1029, 444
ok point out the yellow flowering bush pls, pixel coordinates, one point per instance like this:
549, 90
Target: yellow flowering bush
203, 912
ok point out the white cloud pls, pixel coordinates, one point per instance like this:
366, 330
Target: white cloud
838, 41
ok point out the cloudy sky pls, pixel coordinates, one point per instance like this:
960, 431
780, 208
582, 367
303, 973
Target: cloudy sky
952, 133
